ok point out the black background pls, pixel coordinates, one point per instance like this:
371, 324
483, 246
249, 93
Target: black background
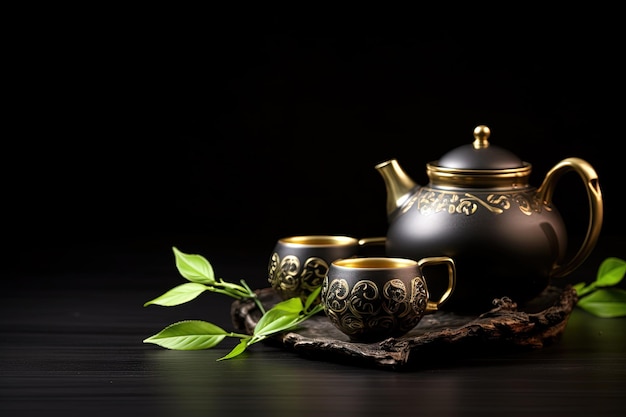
219, 132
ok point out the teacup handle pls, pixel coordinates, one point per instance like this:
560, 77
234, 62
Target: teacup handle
433, 306
379, 240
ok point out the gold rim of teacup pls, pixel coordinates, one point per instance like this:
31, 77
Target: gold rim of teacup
375, 263
319, 240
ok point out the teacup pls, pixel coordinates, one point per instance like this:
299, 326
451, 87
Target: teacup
373, 298
298, 264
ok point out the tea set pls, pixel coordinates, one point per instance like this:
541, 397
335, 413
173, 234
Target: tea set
496, 234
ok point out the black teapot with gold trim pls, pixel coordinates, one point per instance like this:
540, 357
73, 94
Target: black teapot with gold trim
506, 237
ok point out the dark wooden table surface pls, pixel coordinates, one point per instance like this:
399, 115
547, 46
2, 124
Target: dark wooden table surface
71, 344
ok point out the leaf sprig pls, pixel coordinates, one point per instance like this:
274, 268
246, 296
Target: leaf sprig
198, 334
600, 297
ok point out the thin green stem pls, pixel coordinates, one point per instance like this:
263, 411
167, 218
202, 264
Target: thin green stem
587, 289
254, 297
225, 292
258, 338
239, 335
234, 288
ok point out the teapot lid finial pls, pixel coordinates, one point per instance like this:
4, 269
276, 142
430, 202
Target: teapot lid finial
481, 136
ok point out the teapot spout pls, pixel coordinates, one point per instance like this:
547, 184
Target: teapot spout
398, 184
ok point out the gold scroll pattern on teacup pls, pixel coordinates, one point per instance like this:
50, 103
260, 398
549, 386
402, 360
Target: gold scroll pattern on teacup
429, 202
288, 276
363, 307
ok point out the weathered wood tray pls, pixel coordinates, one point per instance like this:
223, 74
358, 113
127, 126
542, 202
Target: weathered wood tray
441, 336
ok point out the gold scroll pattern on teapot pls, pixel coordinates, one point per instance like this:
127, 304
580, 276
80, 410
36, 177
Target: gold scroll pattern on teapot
430, 202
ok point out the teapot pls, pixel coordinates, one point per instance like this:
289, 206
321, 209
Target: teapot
506, 237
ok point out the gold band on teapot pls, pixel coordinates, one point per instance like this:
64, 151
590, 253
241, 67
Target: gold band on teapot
512, 178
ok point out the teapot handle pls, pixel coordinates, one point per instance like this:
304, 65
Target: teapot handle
594, 195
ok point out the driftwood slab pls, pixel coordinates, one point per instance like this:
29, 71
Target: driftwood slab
438, 337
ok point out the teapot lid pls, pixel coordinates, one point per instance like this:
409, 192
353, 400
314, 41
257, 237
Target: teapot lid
480, 154
479, 165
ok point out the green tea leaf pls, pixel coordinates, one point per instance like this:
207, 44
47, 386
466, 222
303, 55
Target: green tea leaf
196, 334
275, 320
317, 308
189, 335
179, 295
293, 305
312, 298
582, 289
237, 350
195, 268
579, 287
611, 272
605, 302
